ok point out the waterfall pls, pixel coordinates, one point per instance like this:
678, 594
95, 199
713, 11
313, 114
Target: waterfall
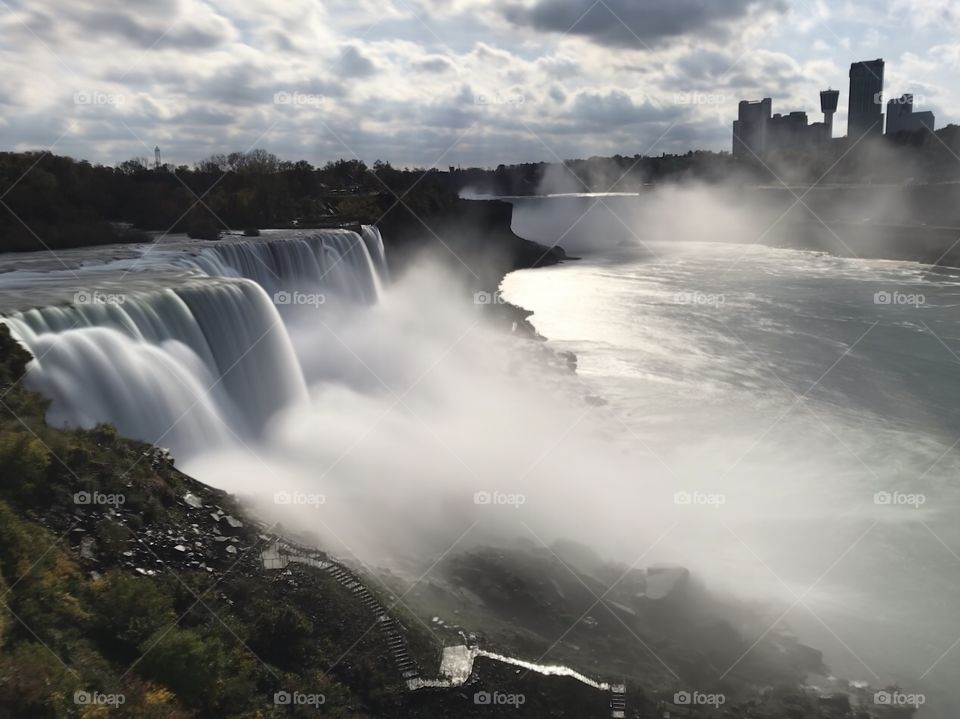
199, 362
340, 262
374, 242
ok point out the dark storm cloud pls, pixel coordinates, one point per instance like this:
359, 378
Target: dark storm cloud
707, 63
200, 116
38, 131
558, 95
636, 23
435, 64
353, 63
238, 85
151, 35
768, 72
247, 84
615, 109
165, 77
160, 24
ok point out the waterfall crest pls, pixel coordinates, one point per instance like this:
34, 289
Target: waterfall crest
341, 262
200, 362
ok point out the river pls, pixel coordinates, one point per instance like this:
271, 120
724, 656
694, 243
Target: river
807, 410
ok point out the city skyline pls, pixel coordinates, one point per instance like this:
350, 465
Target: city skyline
470, 82
758, 129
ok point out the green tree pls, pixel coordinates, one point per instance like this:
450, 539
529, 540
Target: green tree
23, 463
283, 636
187, 664
131, 609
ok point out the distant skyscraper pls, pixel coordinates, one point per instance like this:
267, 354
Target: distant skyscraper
899, 111
902, 118
926, 120
750, 128
865, 114
786, 132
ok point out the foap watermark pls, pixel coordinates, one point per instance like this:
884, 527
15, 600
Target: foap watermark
499, 98
90, 97
702, 299
488, 298
899, 499
499, 499
95, 297
300, 499
699, 499
699, 699
299, 299
699, 98
98, 499
100, 699
298, 699
900, 299
908, 98
499, 699
899, 699
298, 99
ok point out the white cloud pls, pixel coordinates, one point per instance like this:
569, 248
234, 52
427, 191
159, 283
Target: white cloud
404, 80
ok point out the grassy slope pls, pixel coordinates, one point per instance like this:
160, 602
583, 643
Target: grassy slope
209, 634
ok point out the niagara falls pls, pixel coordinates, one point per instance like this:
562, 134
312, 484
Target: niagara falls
481, 359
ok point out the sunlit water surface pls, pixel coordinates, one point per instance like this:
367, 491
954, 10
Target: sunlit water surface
811, 422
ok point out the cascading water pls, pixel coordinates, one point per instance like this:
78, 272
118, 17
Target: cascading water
197, 361
374, 242
341, 262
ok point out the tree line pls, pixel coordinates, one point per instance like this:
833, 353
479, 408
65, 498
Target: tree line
50, 201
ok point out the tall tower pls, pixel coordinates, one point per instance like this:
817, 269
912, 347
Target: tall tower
156, 158
829, 99
865, 114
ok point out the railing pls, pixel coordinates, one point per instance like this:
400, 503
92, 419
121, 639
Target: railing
282, 552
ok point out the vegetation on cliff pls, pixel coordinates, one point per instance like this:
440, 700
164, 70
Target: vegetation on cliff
119, 599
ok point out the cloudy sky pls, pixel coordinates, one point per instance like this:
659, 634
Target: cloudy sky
443, 82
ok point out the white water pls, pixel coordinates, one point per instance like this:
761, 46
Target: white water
187, 360
457, 662
771, 378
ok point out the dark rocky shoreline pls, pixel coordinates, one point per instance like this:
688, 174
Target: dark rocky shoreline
474, 237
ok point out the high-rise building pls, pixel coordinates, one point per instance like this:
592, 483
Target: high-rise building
899, 112
865, 111
757, 132
902, 118
750, 128
925, 120
787, 132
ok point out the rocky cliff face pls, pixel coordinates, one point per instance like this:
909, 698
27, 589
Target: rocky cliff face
475, 237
